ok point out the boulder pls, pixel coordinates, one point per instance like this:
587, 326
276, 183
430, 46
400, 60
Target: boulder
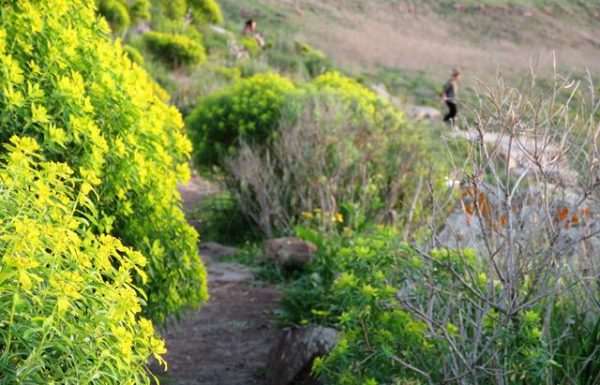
289, 251
290, 359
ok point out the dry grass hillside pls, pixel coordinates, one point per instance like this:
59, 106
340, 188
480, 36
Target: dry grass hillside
433, 36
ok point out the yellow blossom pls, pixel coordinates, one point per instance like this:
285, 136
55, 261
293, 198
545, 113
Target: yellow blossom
39, 114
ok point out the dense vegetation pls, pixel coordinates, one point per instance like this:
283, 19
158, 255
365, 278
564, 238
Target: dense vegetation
71, 89
70, 311
249, 110
95, 246
517, 306
174, 50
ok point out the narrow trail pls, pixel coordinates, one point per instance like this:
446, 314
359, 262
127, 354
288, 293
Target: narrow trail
226, 341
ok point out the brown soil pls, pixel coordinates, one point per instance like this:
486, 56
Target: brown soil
226, 341
417, 36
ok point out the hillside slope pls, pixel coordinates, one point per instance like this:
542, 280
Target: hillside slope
433, 36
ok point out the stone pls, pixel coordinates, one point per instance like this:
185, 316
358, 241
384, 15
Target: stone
289, 251
290, 359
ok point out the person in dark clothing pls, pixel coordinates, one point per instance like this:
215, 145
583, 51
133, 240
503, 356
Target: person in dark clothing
449, 95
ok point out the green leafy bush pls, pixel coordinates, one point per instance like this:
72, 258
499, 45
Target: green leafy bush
175, 50
315, 61
65, 84
172, 9
69, 314
408, 316
339, 149
116, 13
250, 45
362, 102
206, 11
220, 220
134, 55
320, 160
140, 10
249, 110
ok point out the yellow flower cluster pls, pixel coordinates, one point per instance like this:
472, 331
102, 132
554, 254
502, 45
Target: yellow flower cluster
65, 84
56, 291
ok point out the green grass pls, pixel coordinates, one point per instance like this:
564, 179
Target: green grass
419, 88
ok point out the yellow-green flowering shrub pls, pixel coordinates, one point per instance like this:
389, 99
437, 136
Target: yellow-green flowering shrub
336, 147
174, 49
140, 10
249, 110
409, 316
69, 312
116, 13
134, 54
171, 9
250, 45
364, 102
206, 11
65, 84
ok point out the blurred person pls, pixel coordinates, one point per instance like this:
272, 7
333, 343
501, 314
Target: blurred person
250, 30
449, 95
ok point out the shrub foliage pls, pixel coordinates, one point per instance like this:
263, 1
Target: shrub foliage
69, 314
326, 160
174, 49
249, 111
509, 294
134, 55
336, 148
116, 13
206, 11
65, 84
140, 10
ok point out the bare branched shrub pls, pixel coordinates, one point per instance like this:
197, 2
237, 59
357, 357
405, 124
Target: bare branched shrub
324, 159
526, 309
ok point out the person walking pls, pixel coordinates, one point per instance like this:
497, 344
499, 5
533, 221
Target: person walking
449, 95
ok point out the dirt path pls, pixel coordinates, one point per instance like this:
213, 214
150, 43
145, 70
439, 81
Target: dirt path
225, 342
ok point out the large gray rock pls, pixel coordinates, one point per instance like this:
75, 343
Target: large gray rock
480, 221
291, 358
289, 251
